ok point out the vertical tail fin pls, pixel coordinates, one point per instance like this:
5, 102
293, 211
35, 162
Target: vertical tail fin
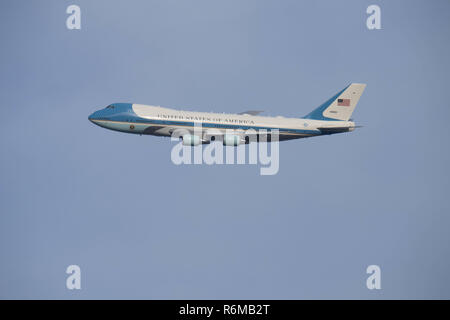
340, 106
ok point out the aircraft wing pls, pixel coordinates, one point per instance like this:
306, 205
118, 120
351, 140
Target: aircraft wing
251, 112
330, 130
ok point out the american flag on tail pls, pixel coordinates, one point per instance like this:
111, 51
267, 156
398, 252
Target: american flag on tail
344, 102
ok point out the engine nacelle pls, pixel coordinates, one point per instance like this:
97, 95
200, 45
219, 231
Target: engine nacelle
232, 140
191, 140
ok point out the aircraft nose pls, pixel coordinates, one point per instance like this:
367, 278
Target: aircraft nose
93, 116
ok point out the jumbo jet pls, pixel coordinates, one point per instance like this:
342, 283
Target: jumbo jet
332, 117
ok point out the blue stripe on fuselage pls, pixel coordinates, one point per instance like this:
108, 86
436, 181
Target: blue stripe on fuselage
137, 120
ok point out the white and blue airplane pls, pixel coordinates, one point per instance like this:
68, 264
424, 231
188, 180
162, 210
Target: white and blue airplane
333, 116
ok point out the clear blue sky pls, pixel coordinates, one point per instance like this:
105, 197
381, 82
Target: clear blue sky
141, 227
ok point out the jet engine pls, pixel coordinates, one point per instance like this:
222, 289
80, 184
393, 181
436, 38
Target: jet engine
232, 140
191, 140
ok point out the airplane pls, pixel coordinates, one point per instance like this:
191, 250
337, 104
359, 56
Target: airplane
332, 117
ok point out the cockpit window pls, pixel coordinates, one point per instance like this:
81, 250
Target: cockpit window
110, 107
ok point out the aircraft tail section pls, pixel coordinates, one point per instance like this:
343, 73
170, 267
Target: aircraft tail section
340, 106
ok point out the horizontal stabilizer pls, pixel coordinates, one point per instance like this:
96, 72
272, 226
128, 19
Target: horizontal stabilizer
330, 130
